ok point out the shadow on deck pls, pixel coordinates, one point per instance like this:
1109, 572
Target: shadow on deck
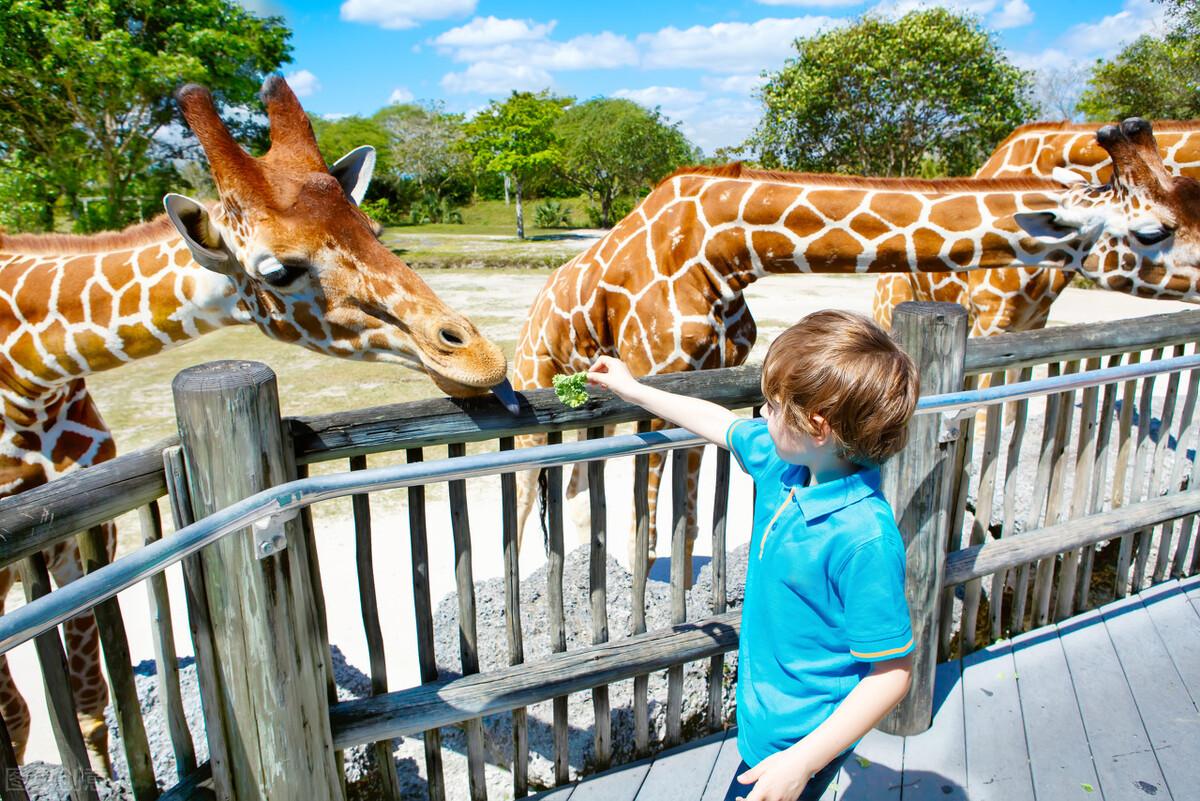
1102, 706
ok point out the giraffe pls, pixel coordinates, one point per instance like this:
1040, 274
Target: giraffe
663, 290
1019, 299
285, 249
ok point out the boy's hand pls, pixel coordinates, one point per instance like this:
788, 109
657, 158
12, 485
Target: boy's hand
613, 375
780, 777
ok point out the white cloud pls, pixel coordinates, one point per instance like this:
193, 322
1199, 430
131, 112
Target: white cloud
1013, 14
334, 116
490, 31
1110, 34
398, 14
494, 79
733, 84
304, 83
734, 47
603, 50
672, 99
400, 95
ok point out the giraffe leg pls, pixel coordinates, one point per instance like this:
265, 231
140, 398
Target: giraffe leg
692, 512
578, 499
12, 705
527, 485
653, 481
83, 657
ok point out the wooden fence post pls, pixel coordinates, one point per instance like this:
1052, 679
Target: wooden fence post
271, 658
918, 484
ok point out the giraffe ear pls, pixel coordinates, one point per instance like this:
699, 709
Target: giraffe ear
1045, 225
354, 171
203, 239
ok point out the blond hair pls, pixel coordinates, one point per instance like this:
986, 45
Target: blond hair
845, 368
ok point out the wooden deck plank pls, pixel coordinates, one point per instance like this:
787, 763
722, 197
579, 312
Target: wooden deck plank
1166, 709
1059, 758
935, 761
557, 794
997, 757
874, 771
1178, 624
725, 765
619, 784
1125, 763
682, 772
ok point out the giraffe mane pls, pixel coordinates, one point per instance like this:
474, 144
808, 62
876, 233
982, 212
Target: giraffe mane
1088, 127
138, 235
738, 170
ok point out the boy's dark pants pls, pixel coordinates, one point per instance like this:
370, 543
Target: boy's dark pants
812, 791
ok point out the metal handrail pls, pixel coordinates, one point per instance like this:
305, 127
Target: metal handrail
42, 614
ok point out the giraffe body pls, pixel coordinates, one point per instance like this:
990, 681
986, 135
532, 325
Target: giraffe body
662, 291
1019, 299
285, 249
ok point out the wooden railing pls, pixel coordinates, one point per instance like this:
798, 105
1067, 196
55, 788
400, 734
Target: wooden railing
1043, 567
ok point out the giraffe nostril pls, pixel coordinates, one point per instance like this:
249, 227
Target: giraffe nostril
451, 337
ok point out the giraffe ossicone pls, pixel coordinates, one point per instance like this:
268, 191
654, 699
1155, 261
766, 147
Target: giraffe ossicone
663, 290
285, 248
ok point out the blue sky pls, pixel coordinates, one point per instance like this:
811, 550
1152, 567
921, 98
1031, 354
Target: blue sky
700, 62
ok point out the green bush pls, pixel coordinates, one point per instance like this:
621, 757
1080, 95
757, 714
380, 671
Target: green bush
381, 211
552, 214
620, 210
431, 209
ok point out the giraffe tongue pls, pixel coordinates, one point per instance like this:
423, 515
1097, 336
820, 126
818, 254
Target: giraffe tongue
505, 394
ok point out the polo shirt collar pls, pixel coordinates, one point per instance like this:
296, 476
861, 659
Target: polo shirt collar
828, 497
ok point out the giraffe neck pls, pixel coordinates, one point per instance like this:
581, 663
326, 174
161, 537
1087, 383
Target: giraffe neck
739, 229
70, 308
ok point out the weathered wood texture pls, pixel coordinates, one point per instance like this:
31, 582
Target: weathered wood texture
449, 702
93, 554
917, 483
554, 599
512, 620
170, 694
263, 611
598, 593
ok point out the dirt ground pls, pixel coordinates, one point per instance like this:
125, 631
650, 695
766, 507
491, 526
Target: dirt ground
136, 402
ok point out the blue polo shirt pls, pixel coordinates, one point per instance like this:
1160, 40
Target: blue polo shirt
824, 594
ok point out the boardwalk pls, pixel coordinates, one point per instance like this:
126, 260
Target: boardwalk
1102, 706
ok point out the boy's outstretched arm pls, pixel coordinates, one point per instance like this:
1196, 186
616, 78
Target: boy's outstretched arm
698, 416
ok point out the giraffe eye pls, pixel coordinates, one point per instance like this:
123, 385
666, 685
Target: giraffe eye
279, 274
1152, 236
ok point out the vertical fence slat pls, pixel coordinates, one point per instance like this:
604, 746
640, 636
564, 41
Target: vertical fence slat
1085, 462
1126, 445
983, 516
1141, 454
418, 540
1166, 424
170, 695
554, 598
679, 570
1186, 526
1041, 499
641, 558
716, 667
10, 772
598, 584
1020, 416
963, 457
1104, 449
368, 602
93, 553
35, 579
1183, 434
468, 643
512, 619
200, 626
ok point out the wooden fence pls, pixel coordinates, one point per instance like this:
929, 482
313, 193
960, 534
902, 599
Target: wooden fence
1103, 467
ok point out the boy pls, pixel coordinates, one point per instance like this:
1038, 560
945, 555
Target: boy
825, 643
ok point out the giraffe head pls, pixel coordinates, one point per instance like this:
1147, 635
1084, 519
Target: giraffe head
1141, 231
307, 263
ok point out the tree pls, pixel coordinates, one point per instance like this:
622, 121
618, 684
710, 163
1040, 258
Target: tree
86, 85
515, 137
1153, 76
881, 97
612, 147
425, 144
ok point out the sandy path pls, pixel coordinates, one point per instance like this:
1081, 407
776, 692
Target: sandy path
136, 402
